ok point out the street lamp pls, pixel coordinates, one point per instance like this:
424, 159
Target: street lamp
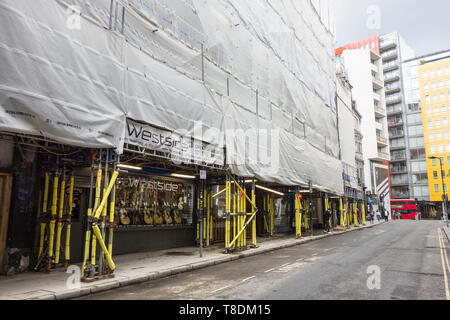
444, 195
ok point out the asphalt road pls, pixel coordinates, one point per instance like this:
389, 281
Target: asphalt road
407, 254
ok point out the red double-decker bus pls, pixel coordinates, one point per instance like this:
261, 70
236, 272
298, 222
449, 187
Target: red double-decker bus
405, 209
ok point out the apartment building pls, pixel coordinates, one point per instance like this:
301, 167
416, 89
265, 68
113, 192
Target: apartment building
350, 136
364, 66
434, 88
394, 50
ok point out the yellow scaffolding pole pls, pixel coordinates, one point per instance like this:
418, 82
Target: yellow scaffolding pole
305, 220
111, 219
234, 214
355, 214
52, 220
240, 231
341, 210
208, 217
254, 244
363, 213
69, 220
60, 216
211, 218
227, 211
86, 243
298, 216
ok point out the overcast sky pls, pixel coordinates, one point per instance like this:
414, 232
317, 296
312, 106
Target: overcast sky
424, 24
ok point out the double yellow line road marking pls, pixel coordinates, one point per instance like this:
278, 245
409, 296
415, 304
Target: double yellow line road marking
444, 260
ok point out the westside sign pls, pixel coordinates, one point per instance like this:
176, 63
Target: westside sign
179, 148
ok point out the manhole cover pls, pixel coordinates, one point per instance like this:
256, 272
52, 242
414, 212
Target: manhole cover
179, 253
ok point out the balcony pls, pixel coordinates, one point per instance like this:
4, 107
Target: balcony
394, 123
387, 44
390, 66
396, 134
394, 99
376, 96
383, 156
393, 110
380, 112
392, 88
375, 68
400, 195
398, 157
391, 77
399, 182
397, 147
398, 170
378, 126
382, 141
390, 55
377, 83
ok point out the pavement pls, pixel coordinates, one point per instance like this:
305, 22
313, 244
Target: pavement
446, 231
142, 267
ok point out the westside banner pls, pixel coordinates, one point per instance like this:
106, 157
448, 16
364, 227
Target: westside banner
176, 147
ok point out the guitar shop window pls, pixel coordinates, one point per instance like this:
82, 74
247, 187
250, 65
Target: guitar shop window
151, 201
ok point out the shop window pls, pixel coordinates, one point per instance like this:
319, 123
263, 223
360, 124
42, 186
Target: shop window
145, 200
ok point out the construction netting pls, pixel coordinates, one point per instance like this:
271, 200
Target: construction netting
256, 78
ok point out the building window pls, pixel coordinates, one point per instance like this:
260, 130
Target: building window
430, 124
448, 160
438, 123
427, 99
439, 72
436, 188
432, 149
432, 74
444, 109
434, 162
435, 176
440, 148
441, 84
425, 86
438, 136
425, 75
446, 135
442, 96
429, 111
433, 85
447, 69
445, 121
436, 110
435, 99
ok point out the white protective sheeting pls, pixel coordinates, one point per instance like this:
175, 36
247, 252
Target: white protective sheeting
268, 64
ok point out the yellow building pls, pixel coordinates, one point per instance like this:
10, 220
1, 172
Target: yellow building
434, 85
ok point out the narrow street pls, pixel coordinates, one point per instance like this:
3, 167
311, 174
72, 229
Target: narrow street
408, 254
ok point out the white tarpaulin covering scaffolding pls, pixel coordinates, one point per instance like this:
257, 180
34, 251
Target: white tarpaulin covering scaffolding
76, 70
